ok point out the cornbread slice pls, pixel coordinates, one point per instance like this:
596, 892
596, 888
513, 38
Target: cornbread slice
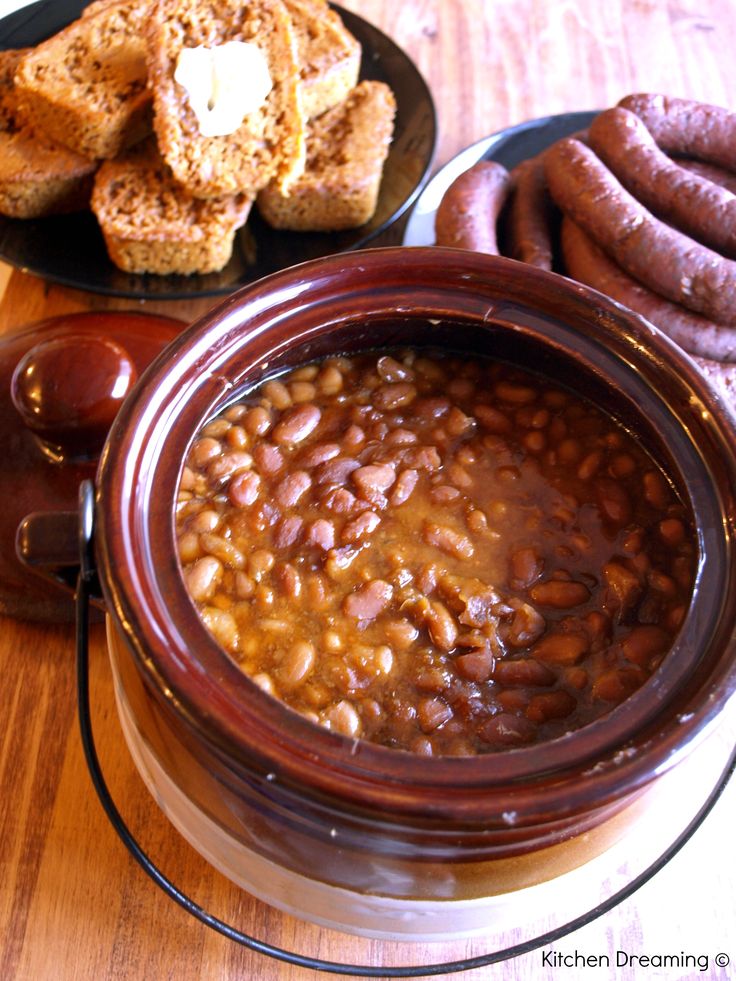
346, 149
269, 143
38, 176
86, 86
152, 224
329, 55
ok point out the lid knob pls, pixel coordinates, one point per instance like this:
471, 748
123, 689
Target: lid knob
68, 391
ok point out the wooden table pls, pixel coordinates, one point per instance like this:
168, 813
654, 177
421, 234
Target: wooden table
73, 905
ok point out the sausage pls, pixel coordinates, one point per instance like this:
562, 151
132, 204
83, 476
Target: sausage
691, 203
722, 378
693, 129
530, 215
660, 257
588, 264
724, 178
468, 212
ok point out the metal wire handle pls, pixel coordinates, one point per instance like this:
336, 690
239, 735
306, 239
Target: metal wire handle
85, 586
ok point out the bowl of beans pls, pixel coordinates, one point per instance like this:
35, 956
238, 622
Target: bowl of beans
419, 575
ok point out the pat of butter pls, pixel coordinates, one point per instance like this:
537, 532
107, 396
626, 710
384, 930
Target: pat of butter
224, 84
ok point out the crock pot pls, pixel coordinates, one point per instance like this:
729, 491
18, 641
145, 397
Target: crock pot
339, 831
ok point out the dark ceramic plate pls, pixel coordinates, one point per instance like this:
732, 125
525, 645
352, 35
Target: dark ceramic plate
70, 249
509, 147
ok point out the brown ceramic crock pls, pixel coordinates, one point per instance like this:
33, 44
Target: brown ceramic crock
338, 830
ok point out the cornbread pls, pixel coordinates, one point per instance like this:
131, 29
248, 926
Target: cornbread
346, 150
38, 176
329, 55
86, 86
151, 224
269, 143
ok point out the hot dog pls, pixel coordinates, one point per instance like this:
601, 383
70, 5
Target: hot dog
660, 257
694, 129
588, 264
468, 212
530, 215
691, 203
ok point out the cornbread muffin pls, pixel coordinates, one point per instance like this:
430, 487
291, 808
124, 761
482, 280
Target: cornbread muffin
329, 55
153, 225
86, 86
38, 176
346, 150
269, 143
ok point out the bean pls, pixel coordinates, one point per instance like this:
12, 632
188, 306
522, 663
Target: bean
353, 439
277, 394
448, 540
321, 533
260, 562
227, 465
341, 501
623, 586
526, 626
222, 626
374, 479
403, 488
492, 419
216, 428
433, 713
360, 527
442, 627
401, 634
287, 531
223, 550
401, 437
335, 473
237, 438
514, 393
188, 547
205, 520
202, 577
204, 450
243, 489
257, 421
443, 495
290, 580
289, 491
590, 465
560, 594
330, 380
671, 531
390, 397
342, 718
319, 454
296, 424
505, 729
391, 370
307, 372
523, 671
526, 567
264, 682
617, 684
268, 459
550, 705
296, 664
475, 666
645, 642
561, 648
613, 501
302, 391
369, 600
655, 488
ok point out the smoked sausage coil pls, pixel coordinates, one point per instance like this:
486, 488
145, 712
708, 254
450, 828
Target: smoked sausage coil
688, 201
724, 178
468, 212
693, 129
529, 223
658, 256
588, 264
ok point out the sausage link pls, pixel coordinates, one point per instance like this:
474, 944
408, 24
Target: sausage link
468, 212
684, 126
688, 201
530, 215
667, 261
588, 264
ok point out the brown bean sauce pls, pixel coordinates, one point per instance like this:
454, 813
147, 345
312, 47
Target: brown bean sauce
444, 555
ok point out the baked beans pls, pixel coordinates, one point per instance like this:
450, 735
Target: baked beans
444, 555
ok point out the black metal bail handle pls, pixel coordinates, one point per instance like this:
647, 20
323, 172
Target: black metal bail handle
85, 585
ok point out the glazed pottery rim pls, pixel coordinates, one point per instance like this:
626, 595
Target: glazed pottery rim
147, 600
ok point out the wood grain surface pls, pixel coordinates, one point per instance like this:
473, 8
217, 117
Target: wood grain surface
73, 905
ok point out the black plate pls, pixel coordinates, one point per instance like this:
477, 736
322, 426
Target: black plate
508, 146
70, 249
